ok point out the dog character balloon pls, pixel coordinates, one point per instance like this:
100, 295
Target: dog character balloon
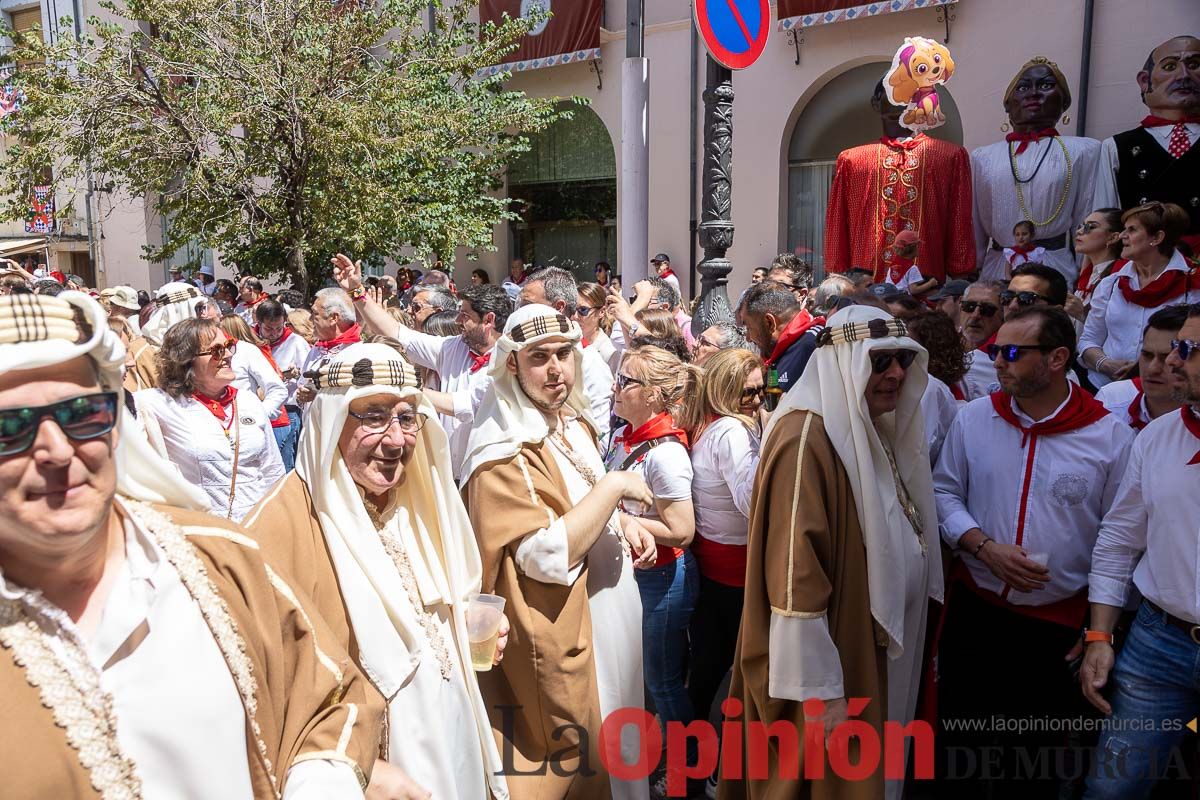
917, 68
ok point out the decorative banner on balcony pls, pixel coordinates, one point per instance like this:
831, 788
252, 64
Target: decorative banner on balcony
809, 13
571, 34
41, 211
10, 96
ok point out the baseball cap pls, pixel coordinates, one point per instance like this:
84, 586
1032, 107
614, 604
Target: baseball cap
906, 238
954, 288
122, 296
885, 291
661, 258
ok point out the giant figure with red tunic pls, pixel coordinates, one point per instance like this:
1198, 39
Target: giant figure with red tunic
902, 182
1160, 159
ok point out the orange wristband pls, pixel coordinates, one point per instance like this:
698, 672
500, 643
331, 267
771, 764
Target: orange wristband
1097, 636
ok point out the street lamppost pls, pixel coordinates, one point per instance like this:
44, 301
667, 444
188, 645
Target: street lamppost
716, 227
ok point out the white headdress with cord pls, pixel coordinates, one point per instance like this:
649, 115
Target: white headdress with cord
40, 331
834, 386
175, 302
507, 419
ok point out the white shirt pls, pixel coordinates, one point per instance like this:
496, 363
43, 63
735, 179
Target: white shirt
1016, 259
997, 208
1115, 325
179, 715
1110, 161
604, 347
1118, 396
194, 440
291, 352
913, 276
939, 408
673, 279
1047, 497
666, 468
255, 373
981, 379
1150, 533
724, 462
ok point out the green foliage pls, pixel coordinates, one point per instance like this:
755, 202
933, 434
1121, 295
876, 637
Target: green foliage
281, 131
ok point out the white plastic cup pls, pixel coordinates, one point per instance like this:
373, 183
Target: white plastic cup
484, 612
1041, 558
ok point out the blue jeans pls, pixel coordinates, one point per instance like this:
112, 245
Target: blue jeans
287, 438
669, 596
1157, 680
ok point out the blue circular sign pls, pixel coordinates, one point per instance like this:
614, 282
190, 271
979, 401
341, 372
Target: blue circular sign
734, 31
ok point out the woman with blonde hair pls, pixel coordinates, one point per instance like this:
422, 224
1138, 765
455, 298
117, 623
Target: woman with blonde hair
722, 417
257, 373
592, 317
648, 392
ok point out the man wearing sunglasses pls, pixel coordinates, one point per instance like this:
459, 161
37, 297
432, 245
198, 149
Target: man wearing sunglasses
372, 525
1023, 480
148, 650
843, 493
1148, 540
982, 314
1153, 393
1034, 284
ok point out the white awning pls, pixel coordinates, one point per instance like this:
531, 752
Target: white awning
11, 247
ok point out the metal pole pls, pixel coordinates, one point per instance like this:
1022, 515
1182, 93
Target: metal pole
1085, 67
716, 229
634, 222
693, 194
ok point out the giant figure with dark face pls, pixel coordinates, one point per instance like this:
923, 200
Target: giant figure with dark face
1160, 159
1035, 174
900, 182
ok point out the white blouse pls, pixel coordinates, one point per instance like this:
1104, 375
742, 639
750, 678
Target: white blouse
724, 462
189, 436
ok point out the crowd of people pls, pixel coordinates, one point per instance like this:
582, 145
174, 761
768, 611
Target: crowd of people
242, 532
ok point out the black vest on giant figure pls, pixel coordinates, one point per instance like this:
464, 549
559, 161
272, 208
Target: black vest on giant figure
1148, 172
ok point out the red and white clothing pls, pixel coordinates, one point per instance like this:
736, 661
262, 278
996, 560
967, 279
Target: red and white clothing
1019, 256
246, 310
1116, 322
324, 348
724, 462
1089, 281
1126, 401
1045, 492
1149, 535
670, 277
289, 351
255, 373
981, 378
940, 408
203, 447
903, 275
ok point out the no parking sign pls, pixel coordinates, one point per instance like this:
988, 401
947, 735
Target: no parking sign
734, 31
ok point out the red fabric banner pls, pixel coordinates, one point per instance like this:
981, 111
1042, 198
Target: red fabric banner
573, 27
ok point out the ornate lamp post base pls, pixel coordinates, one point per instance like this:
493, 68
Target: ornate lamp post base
716, 228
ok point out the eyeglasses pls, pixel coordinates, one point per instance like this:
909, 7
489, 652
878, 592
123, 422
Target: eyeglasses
1186, 347
1022, 298
985, 309
702, 342
377, 422
624, 381
219, 351
89, 416
1012, 352
1087, 227
882, 360
753, 393
583, 311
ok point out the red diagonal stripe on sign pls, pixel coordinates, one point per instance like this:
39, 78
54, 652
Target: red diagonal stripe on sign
737, 16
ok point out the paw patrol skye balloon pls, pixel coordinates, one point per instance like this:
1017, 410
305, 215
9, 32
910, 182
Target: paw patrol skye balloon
917, 68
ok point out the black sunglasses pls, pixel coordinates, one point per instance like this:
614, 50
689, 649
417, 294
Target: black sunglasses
584, 311
881, 361
1012, 352
88, 416
750, 393
985, 309
624, 381
1022, 298
1186, 348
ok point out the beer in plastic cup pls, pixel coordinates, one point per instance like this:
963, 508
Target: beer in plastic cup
484, 612
1041, 558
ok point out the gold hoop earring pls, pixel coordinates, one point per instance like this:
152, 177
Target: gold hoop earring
1066, 120
1005, 127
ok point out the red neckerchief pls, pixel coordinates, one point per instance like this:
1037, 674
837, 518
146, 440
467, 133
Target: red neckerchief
287, 331
1158, 122
1135, 408
479, 362
1080, 411
983, 348
657, 426
1085, 276
586, 343
282, 420
796, 328
518, 280
666, 273
1026, 137
1023, 249
1192, 423
907, 144
216, 405
957, 391
351, 335
900, 269
1167, 286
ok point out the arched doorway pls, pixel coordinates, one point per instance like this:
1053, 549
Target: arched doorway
838, 117
565, 191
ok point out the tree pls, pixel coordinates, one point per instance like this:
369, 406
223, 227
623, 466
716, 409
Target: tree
280, 131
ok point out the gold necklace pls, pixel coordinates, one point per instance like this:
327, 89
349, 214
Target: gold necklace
1062, 201
906, 503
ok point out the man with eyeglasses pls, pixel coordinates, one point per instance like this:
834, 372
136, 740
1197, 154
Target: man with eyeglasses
842, 555
1148, 541
1152, 394
148, 649
1023, 480
982, 314
371, 524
